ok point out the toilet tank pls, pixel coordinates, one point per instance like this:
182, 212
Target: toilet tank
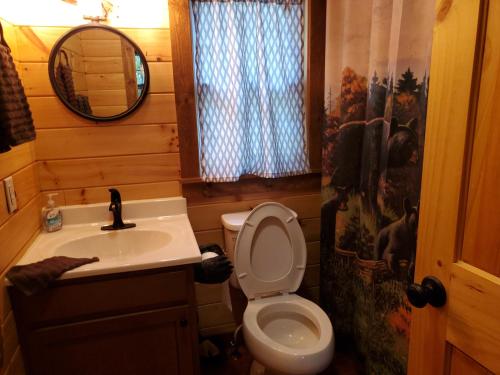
232, 223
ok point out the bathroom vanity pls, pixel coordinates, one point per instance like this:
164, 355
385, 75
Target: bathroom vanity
133, 312
141, 322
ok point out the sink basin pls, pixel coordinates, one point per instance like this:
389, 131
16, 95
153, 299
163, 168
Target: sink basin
163, 237
125, 244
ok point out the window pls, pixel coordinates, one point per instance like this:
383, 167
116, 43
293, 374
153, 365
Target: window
249, 84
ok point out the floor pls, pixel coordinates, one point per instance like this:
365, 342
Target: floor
236, 361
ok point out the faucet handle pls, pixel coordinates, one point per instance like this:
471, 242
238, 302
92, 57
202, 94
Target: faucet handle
115, 196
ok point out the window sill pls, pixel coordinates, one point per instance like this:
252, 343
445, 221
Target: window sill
249, 187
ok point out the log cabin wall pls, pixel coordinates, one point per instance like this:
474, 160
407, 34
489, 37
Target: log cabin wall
74, 52
139, 154
18, 229
104, 72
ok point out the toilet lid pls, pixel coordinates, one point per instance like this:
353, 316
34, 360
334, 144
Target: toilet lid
270, 251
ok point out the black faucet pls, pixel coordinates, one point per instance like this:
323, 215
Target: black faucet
116, 207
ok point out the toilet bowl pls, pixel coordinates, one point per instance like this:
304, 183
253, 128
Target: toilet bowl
284, 332
288, 334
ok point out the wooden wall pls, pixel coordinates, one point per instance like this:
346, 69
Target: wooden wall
17, 230
80, 159
104, 72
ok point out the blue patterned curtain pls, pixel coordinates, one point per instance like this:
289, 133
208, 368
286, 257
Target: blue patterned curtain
249, 62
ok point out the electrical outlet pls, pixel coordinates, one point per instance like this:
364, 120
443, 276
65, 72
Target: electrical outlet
10, 194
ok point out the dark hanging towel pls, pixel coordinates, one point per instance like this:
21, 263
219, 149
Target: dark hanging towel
84, 104
64, 79
16, 123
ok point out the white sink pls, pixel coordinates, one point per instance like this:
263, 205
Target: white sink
116, 245
163, 237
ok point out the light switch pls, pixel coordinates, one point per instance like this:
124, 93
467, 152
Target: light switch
10, 194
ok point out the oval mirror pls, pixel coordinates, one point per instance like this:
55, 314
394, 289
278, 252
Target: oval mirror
98, 72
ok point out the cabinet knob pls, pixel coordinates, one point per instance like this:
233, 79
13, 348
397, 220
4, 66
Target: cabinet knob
431, 292
183, 322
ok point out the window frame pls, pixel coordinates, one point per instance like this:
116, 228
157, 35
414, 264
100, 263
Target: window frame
185, 99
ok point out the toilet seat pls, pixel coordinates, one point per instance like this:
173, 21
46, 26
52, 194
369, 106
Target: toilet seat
312, 357
270, 252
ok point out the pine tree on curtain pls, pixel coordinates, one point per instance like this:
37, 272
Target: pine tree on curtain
376, 80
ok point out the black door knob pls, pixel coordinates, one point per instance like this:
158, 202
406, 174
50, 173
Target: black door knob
431, 292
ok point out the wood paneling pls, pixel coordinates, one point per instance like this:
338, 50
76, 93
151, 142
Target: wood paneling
18, 230
104, 64
107, 98
218, 330
162, 77
473, 311
311, 229
49, 112
248, 188
106, 141
210, 236
483, 204
25, 179
5, 306
116, 170
208, 293
36, 42
214, 314
182, 56
313, 252
9, 33
461, 364
205, 217
107, 81
17, 158
128, 192
26, 184
311, 276
315, 78
35, 78
102, 47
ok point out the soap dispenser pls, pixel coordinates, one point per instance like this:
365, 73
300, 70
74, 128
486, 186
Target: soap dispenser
51, 215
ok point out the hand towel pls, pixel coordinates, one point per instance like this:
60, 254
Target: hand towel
34, 277
64, 79
16, 123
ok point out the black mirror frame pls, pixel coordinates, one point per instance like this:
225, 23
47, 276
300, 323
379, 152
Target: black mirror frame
52, 60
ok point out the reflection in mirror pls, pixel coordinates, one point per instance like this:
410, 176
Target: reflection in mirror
98, 72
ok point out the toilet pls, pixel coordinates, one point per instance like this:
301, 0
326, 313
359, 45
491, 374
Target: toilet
285, 333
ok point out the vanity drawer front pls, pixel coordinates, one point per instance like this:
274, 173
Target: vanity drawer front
89, 298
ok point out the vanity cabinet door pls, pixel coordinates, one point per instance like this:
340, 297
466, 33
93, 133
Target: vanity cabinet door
154, 342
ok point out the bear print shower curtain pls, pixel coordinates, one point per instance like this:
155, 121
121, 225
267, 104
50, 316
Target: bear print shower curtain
376, 84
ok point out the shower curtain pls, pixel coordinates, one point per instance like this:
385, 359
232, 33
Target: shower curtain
376, 84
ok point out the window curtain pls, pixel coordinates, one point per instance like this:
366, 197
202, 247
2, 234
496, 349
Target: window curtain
376, 84
249, 73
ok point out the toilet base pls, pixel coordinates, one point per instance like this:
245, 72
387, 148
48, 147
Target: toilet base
259, 369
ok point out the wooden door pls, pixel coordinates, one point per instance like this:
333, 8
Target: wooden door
459, 225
